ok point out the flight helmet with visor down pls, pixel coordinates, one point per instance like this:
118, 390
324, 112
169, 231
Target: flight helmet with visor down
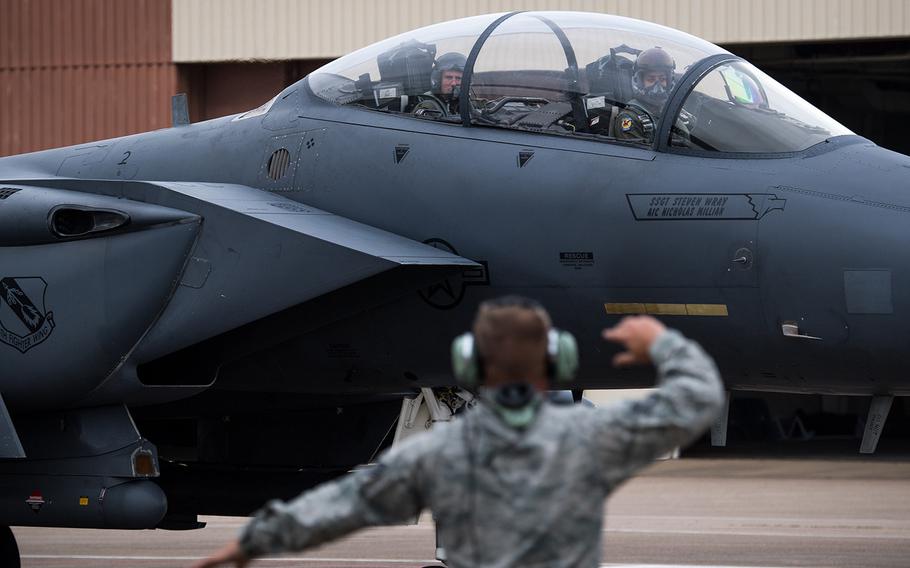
653, 77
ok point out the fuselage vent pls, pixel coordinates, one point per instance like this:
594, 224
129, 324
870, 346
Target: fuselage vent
278, 163
7, 191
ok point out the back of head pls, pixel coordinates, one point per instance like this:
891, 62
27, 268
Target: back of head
511, 334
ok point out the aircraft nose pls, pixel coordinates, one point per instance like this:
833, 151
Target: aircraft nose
865, 172
833, 268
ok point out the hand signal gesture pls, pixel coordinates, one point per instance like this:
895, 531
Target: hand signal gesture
636, 334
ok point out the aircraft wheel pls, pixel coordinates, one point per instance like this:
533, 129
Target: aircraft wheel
9, 550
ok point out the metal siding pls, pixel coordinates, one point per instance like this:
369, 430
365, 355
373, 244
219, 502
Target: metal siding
82, 70
230, 30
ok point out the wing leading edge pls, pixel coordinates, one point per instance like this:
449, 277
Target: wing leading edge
251, 255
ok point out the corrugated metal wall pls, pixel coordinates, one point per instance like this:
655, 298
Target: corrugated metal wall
78, 70
222, 30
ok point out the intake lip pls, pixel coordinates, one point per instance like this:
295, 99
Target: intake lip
69, 221
42, 215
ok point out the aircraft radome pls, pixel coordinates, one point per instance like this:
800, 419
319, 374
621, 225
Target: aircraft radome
196, 319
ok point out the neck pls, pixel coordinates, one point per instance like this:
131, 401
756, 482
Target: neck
494, 378
515, 404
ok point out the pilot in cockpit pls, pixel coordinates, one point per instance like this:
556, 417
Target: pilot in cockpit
445, 83
653, 78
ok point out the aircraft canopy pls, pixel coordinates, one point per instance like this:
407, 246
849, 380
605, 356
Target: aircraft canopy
576, 74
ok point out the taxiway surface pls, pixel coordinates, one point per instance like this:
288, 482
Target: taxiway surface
692, 511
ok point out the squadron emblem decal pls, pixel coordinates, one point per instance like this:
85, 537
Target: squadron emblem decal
24, 320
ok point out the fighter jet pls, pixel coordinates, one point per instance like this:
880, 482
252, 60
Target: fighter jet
196, 319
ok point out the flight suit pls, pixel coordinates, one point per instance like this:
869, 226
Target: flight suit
432, 103
509, 497
636, 126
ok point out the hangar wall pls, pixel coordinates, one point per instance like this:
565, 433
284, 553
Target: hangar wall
83, 70
223, 30
863, 84
80, 70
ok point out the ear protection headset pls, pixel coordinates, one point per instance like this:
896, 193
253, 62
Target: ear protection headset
562, 359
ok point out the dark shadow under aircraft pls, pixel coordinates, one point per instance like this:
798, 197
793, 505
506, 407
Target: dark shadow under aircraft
196, 319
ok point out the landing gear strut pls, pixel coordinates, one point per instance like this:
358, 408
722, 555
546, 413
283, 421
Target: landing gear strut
878, 413
719, 426
9, 551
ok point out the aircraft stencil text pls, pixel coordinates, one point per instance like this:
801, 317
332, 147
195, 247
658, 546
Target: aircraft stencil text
703, 207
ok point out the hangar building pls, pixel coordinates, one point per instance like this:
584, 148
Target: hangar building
85, 70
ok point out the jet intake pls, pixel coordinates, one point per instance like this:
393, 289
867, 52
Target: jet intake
74, 221
31, 215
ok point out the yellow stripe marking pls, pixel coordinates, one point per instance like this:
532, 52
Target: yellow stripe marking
620, 309
666, 309
709, 310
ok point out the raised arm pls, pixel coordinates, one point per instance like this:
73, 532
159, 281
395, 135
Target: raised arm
688, 397
385, 493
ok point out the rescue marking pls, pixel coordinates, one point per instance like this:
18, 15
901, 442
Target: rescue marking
576, 260
703, 206
35, 501
709, 310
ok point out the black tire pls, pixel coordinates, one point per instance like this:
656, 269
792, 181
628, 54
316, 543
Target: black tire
9, 550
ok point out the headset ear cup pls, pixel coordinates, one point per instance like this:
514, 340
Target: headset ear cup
465, 366
565, 361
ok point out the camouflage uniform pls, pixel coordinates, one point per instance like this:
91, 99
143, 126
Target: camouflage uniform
504, 497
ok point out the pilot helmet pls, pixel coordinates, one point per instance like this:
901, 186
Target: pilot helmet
653, 60
452, 61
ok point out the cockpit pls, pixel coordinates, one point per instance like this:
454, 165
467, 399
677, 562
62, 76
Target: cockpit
584, 75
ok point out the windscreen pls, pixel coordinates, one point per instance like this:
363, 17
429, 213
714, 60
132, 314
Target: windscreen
738, 108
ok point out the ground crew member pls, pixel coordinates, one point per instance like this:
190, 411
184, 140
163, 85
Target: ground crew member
515, 481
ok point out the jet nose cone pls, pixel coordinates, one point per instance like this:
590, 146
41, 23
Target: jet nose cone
834, 266
868, 171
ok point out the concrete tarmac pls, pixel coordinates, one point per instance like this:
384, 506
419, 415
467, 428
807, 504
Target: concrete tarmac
693, 511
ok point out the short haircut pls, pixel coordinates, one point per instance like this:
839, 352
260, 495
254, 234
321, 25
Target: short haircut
511, 334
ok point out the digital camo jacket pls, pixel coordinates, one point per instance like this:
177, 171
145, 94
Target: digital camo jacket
504, 497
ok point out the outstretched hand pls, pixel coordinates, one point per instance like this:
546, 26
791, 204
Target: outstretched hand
230, 554
636, 334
